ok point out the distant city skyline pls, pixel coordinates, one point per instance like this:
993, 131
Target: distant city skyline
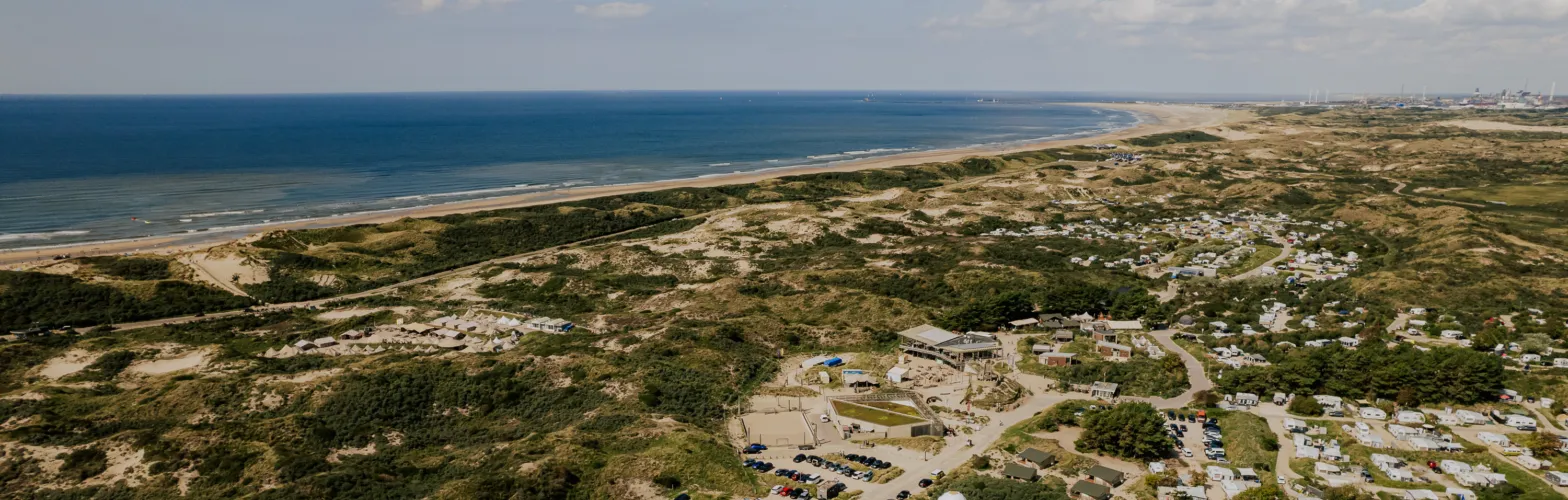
1210, 47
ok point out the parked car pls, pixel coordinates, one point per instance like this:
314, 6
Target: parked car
800, 458
924, 483
775, 489
903, 494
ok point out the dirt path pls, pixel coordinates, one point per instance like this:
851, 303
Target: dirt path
1198, 380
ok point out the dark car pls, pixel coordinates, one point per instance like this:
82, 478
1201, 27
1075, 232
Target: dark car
797, 493
852, 457
1170, 415
800, 458
903, 494
924, 483
766, 466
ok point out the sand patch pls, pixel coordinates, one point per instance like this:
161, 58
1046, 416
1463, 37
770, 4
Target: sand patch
1484, 125
162, 365
71, 362
226, 272
300, 378
338, 314
891, 194
1232, 134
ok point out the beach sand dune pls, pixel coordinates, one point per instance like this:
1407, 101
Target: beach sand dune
1484, 125
1156, 118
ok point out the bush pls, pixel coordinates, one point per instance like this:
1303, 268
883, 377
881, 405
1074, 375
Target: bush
1128, 430
1306, 406
1184, 136
85, 463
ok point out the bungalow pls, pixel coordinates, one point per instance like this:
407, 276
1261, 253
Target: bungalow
1454, 466
896, 374
1106, 475
1325, 469
1560, 362
1219, 326
1448, 419
1557, 478
1125, 326
1041, 348
325, 342
1016, 471
1057, 321
467, 326
1493, 438
1294, 425
1104, 336
1103, 390
550, 325
1349, 341
1370, 413
1480, 479
304, 345
1181, 492
1090, 491
1425, 444
1470, 417
1057, 358
1420, 495
1063, 336
1463, 494
1404, 433
1246, 474
1023, 323
450, 334
1037, 457
1410, 417
1113, 351
1529, 462
353, 334
1246, 399
1217, 473
1520, 422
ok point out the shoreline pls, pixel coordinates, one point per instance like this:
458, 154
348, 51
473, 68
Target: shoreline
1153, 119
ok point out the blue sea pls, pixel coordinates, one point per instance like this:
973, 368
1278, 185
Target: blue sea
79, 169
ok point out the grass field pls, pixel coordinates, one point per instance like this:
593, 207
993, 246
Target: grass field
1528, 194
894, 407
875, 416
1247, 442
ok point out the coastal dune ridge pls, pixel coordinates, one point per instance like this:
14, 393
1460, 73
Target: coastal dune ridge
1152, 119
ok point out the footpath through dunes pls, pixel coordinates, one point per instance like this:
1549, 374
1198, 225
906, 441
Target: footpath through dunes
1156, 118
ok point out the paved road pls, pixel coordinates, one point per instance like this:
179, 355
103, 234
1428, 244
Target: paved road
1198, 380
1284, 253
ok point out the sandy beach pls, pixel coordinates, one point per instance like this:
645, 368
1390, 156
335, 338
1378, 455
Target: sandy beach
1156, 118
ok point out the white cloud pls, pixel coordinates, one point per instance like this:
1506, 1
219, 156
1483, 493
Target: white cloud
1228, 28
427, 6
615, 10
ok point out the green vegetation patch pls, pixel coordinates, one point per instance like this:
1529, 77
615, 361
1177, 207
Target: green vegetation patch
873, 415
1525, 195
1184, 136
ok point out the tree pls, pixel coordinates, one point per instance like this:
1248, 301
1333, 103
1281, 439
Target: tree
1541, 444
1407, 398
1265, 492
1306, 406
991, 488
1128, 430
988, 313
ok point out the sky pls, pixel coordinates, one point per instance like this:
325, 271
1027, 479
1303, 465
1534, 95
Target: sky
1188, 46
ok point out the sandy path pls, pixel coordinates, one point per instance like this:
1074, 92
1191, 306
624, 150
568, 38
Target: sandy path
1157, 119
1489, 126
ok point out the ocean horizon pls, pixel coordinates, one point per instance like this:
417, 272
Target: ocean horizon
81, 169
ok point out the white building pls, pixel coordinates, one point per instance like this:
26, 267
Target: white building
1410, 417
1370, 413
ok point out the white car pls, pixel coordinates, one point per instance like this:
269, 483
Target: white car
776, 489
1186, 452
1281, 479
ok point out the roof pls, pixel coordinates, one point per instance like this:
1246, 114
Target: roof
1020, 471
1106, 474
1103, 386
1024, 322
1035, 455
1058, 354
1125, 325
1091, 489
928, 334
1118, 347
